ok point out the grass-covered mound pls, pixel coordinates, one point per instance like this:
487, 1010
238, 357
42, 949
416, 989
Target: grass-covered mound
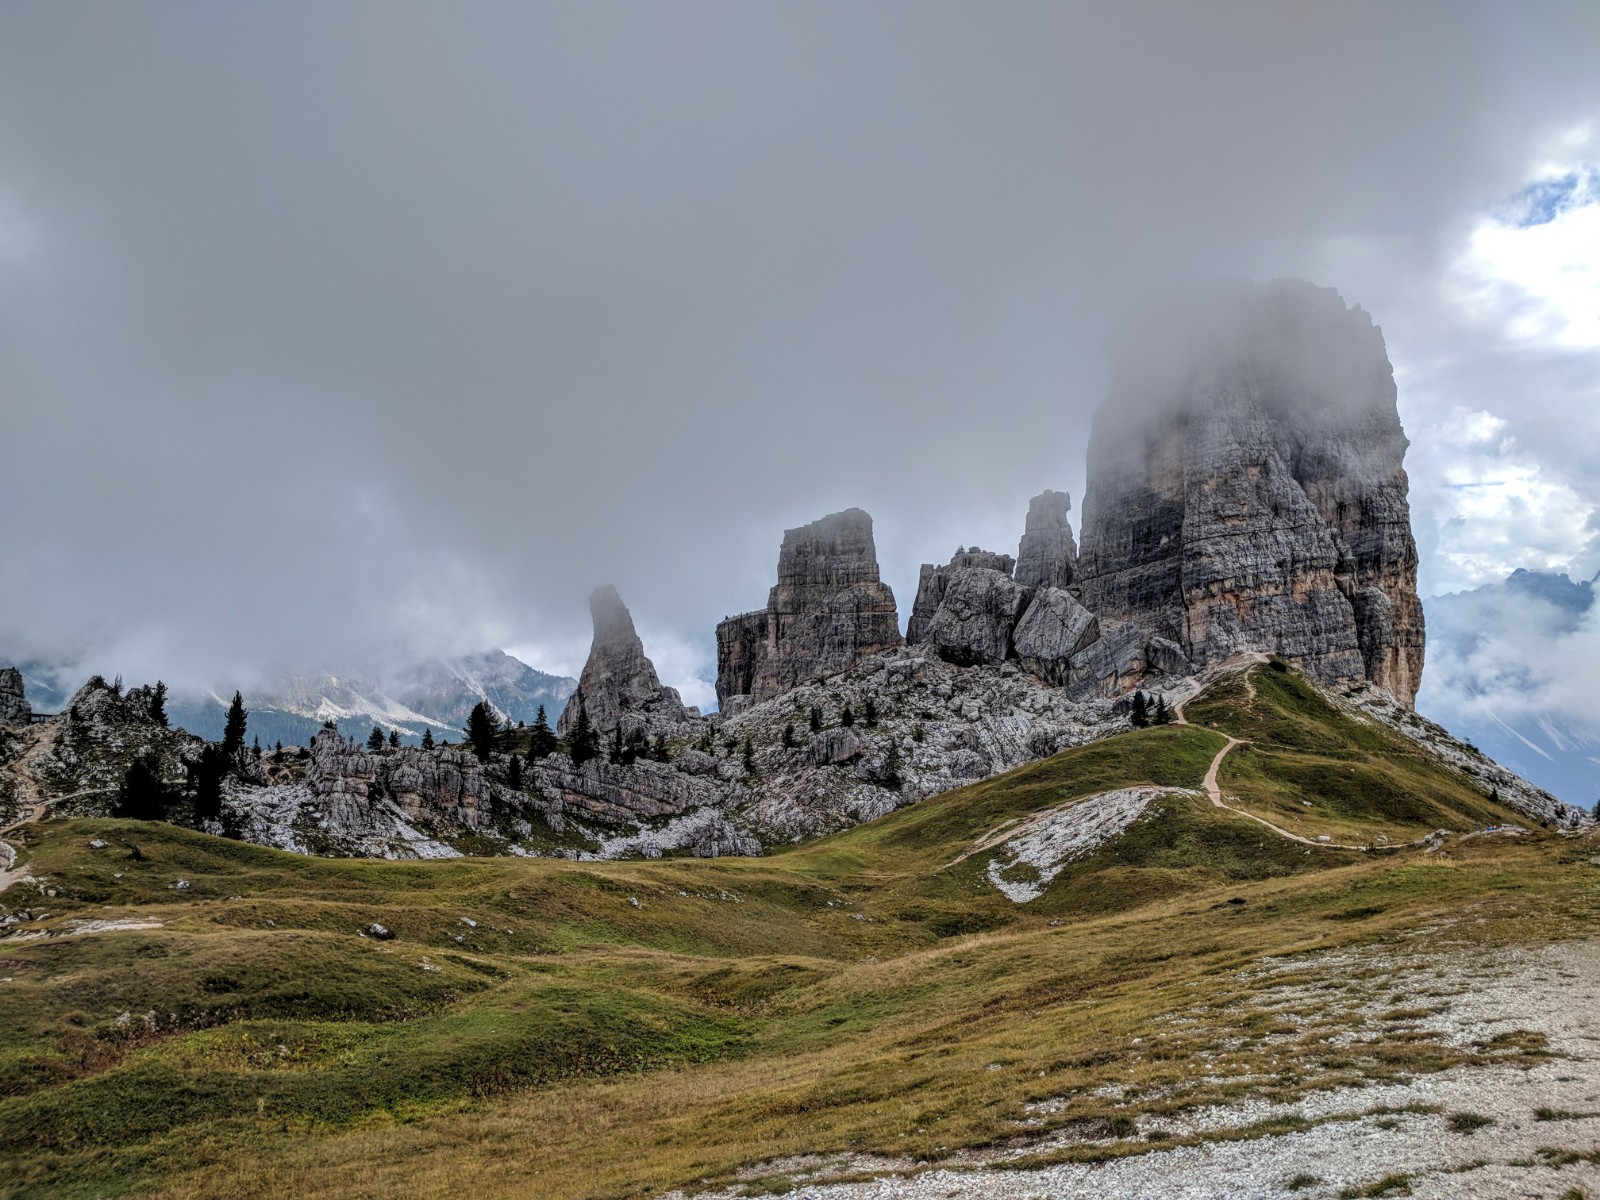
556, 1028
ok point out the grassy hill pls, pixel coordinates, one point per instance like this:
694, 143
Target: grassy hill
560, 1028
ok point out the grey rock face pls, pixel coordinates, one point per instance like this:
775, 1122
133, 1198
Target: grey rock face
622, 795
828, 611
619, 685
1047, 556
1052, 631
975, 617
1247, 492
931, 586
718, 839
13, 699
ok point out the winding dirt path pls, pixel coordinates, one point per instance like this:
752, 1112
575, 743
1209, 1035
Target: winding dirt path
1215, 791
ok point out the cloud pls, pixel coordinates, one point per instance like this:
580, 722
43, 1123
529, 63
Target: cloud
388, 336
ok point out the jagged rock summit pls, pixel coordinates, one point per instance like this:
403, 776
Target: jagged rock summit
1246, 491
619, 687
13, 698
1047, 556
828, 611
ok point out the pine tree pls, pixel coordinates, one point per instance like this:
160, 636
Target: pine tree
394, 739
816, 718
427, 739
749, 756
375, 740
583, 743
158, 704
658, 749
543, 742
142, 796
893, 767
233, 731
1162, 716
514, 774
1140, 716
206, 776
847, 717
278, 750
616, 746
788, 736
870, 711
482, 729
635, 747
708, 741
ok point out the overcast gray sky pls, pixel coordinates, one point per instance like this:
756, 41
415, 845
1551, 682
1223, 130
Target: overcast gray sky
337, 331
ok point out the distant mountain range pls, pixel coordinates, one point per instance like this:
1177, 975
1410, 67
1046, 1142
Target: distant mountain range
1511, 667
432, 694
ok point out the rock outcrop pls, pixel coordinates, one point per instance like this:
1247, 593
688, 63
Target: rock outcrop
13, 698
619, 686
1047, 556
976, 615
1054, 629
828, 611
934, 580
1247, 492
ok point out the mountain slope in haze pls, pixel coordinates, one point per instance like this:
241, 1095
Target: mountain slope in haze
435, 693
1511, 669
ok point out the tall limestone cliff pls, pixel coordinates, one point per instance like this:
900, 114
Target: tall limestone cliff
1246, 491
829, 610
619, 686
1047, 556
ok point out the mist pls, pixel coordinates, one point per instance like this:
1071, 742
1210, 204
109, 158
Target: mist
364, 332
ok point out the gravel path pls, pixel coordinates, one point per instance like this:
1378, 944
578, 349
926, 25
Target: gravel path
1539, 1116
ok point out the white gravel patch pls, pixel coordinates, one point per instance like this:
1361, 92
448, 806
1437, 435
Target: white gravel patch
1552, 990
1051, 840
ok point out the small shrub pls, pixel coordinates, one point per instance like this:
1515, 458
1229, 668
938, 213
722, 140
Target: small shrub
1468, 1122
1302, 1181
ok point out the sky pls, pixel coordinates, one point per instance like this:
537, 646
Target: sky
350, 332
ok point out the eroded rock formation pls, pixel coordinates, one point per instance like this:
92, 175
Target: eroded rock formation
1047, 556
619, 686
13, 699
828, 611
934, 580
1246, 492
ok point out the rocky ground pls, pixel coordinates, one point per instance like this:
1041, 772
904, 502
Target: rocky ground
1479, 1130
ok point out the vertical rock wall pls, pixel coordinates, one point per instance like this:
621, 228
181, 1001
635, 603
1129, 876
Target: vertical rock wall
829, 610
1246, 492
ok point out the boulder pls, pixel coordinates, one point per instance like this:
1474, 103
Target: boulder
976, 616
933, 581
1054, 628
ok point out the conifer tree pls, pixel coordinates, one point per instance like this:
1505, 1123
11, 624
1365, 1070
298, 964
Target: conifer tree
583, 743
375, 740
394, 739
158, 704
482, 729
142, 796
847, 717
788, 736
616, 745
206, 775
658, 749
543, 741
708, 741
816, 718
427, 739
1162, 716
233, 731
893, 767
514, 774
1140, 716
749, 756
870, 711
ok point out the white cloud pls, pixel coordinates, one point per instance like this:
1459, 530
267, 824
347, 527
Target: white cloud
1535, 261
